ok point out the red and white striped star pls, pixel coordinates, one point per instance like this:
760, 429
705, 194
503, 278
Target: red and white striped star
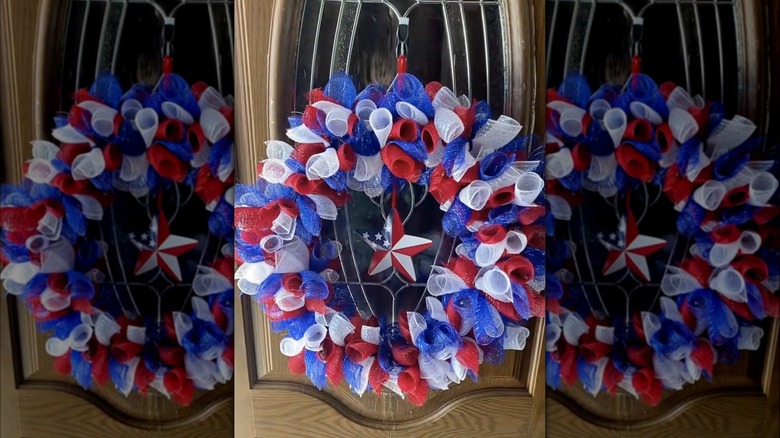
631, 250
394, 248
163, 251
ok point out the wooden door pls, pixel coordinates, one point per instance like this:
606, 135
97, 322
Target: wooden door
727, 65
275, 57
36, 401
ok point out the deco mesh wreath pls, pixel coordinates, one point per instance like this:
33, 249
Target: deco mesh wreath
143, 143
613, 142
377, 142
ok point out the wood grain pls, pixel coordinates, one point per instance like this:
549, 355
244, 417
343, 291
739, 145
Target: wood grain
745, 394
479, 417
716, 417
265, 54
37, 401
45, 414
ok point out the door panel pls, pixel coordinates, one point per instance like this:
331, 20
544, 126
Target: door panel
679, 44
37, 402
508, 399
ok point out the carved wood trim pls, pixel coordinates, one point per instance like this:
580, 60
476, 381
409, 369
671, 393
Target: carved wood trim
508, 417
752, 61
665, 412
664, 416
264, 56
31, 46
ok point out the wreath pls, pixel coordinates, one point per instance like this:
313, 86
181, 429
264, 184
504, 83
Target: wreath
119, 150
618, 141
377, 142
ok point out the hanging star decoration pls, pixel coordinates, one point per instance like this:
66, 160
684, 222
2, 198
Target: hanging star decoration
394, 248
629, 248
160, 248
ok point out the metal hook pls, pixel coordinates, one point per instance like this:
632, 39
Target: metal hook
168, 30
169, 24
403, 37
637, 29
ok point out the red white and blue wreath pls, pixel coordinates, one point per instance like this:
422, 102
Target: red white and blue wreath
612, 142
377, 142
143, 142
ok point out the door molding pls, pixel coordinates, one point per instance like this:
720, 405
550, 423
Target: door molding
45, 404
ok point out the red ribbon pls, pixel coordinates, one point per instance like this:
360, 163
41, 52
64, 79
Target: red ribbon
432, 88
640, 355
198, 88
468, 116
304, 151
430, 137
703, 356
166, 163
333, 356
171, 130
228, 355
699, 268
581, 157
405, 130
347, 157
112, 155
297, 364
519, 269
635, 164
176, 382
726, 234
62, 364
506, 309
68, 152
453, 316
677, 187
401, 164
529, 215
501, 197
172, 356
591, 349
736, 196
666, 89
491, 234
143, 377
99, 359
310, 118
124, 350
612, 377
377, 377
764, 215
753, 268
664, 137
642, 380
442, 187
639, 130
465, 269
196, 137
416, 389
405, 354
359, 350
568, 362
468, 356
536, 235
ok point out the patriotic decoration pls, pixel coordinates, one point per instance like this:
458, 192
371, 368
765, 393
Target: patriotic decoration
378, 142
160, 248
116, 146
394, 248
618, 140
628, 248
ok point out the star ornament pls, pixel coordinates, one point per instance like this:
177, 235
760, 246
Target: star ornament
629, 249
393, 248
160, 248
